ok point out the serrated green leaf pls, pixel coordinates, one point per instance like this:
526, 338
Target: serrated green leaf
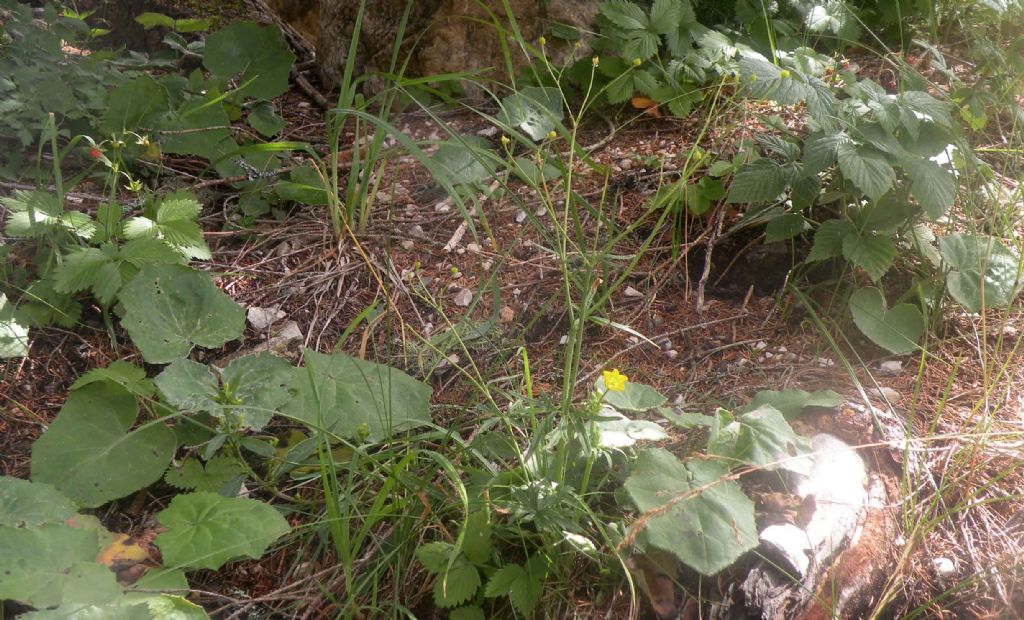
871, 252
828, 240
350, 397
785, 226
89, 452
983, 272
434, 556
169, 309
13, 335
937, 111
759, 437
624, 14
205, 530
79, 269
503, 580
933, 187
38, 561
867, 168
708, 522
175, 225
127, 375
31, 504
896, 329
760, 181
257, 56
666, 16
456, 584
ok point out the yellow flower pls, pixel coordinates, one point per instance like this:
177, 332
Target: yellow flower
542, 41
637, 62
552, 135
614, 380
595, 61
784, 74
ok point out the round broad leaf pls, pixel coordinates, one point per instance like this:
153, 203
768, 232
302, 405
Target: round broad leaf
351, 397
28, 504
635, 396
896, 329
205, 530
168, 309
534, 110
257, 55
89, 453
760, 437
709, 522
465, 161
13, 335
37, 563
984, 272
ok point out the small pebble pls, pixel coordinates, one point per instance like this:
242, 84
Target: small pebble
943, 567
625, 164
520, 216
506, 314
487, 264
563, 340
890, 367
442, 207
541, 212
407, 244
672, 354
473, 247
464, 297
760, 346
632, 292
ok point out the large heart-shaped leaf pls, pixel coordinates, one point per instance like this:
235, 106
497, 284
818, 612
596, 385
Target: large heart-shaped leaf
761, 437
89, 453
535, 110
168, 309
465, 161
28, 504
258, 55
205, 530
984, 273
792, 402
708, 522
352, 397
250, 389
896, 329
38, 562
131, 102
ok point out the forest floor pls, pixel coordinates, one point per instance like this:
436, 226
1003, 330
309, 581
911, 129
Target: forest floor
710, 323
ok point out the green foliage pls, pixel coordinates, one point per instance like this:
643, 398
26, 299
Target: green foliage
760, 436
91, 453
26, 504
983, 272
897, 329
257, 56
218, 474
169, 309
13, 334
533, 110
206, 530
355, 398
705, 520
41, 563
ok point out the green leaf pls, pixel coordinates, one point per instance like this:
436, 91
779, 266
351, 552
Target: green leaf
785, 226
169, 309
467, 613
523, 585
792, 402
89, 453
708, 522
635, 396
828, 240
434, 556
127, 375
897, 330
151, 20
685, 419
30, 504
616, 431
760, 181
257, 55
476, 538
984, 273
265, 120
503, 580
218, 473
821, 151
348, 396
305, 185
940, 112
38, 562
205, 530
175, 225
465, 161
666, 16
131, 103
871, 252
761, 437
456, 584
13, 335
867, 168
624, 14
933, 187
534, 110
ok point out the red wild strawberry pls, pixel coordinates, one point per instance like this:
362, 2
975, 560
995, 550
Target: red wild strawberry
95, 153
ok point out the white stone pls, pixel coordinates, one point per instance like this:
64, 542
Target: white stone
464, 297
262, 318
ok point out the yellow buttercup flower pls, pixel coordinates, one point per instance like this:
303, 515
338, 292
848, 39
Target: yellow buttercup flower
614, 380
